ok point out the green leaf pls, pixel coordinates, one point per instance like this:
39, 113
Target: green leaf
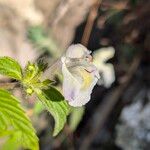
47, 82
15, 124
38, 107
56, 105
10, 67
75, 117
43, 41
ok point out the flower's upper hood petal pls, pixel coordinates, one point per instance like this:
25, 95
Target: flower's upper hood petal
77, 51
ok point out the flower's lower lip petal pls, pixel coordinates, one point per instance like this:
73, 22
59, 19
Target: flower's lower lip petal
73, 90
71, 86
79, 104
84, 95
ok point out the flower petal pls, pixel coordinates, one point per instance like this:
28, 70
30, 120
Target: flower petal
80, 75
107, 70
70, 85
103, 54
85, 92
108, 75
78, 92
77, 51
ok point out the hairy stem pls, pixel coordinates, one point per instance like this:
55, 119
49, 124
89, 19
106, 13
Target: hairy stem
9, 85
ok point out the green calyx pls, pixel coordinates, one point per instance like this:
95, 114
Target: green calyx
32, 77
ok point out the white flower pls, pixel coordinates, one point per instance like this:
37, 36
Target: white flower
80, 75
106, 69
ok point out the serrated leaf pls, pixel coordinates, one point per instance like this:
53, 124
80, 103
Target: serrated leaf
75, 117
56, 105
15, 124
10, 67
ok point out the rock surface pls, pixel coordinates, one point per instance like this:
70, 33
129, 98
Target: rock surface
133, 133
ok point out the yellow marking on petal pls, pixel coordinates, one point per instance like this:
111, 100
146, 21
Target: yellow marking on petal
87, 78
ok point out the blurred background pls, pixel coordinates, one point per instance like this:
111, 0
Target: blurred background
118, 116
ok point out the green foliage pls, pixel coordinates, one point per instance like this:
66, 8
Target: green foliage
33, 72
56, 105
32, 75
75, 117
38, 108
15, 125
49, 96
10, 67
13, 121
41, 40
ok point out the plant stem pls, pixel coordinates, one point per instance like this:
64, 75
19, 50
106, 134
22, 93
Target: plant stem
90, 21
53, 69
8, 85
